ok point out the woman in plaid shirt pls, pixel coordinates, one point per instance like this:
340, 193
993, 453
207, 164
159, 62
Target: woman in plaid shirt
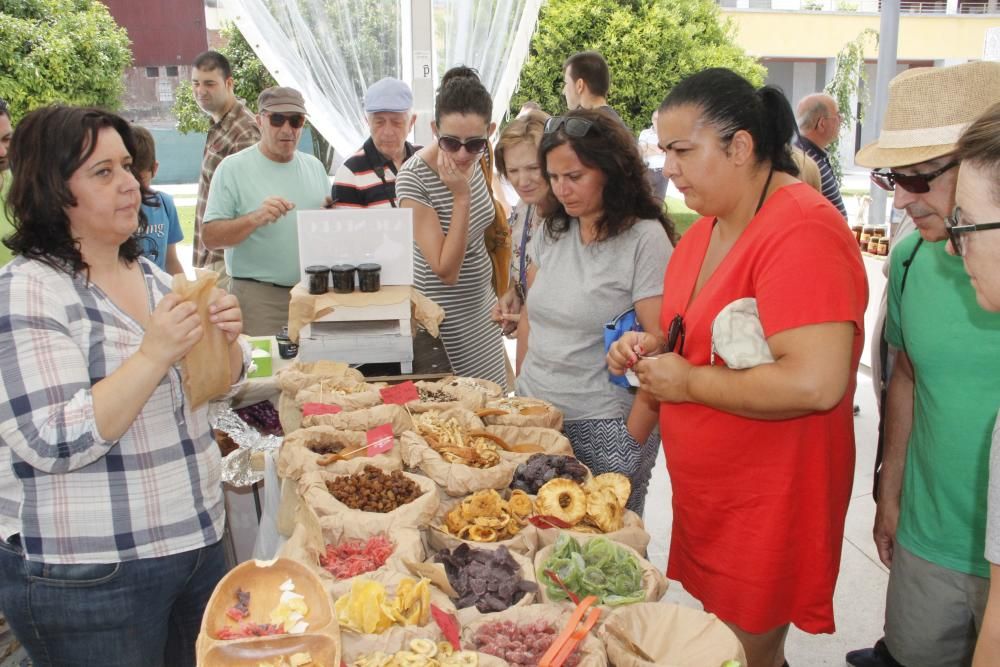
111, 509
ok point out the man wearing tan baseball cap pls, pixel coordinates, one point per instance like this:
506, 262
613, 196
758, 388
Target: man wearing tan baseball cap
252, 210
944, 387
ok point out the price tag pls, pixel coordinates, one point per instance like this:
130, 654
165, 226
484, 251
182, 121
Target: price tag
379, 439
399, 394
320, 409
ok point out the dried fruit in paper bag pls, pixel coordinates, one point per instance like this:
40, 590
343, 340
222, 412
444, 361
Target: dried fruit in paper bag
205, 367
563, 499
368, 609
486, 517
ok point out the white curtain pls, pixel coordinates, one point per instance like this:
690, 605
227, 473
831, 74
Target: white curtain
332, 50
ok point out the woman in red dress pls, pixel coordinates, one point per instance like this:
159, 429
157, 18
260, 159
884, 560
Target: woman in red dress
759, 445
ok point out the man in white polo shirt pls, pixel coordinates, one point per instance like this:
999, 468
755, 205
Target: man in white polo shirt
252, 211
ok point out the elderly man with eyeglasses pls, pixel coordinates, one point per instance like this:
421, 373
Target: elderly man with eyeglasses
251, 210
944, 387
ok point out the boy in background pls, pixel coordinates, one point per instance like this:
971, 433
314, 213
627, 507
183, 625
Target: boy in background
163, 231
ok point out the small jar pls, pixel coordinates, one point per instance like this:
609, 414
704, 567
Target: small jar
866, 235
319, 278
857, 229
873, 245
343, 278
286, 348
370, 277
883, 246
879, 232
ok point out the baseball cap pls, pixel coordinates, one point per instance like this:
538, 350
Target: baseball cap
388, 94
278, 99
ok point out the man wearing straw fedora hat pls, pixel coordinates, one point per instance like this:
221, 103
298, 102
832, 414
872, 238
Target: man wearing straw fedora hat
945, 383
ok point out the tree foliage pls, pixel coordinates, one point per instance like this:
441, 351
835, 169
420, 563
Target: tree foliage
850, 82
250, 77
650, 45
68, 51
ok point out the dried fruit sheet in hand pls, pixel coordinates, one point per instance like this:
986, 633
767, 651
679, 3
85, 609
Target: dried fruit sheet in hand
205, 368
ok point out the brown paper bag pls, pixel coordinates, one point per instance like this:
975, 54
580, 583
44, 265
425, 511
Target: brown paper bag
349, 395
632, 534
525, 542
312, 534
550, 440
205, 367
455, 479
300, 375
653, 582
363, 420
674, 636
536, 413
297, 454
414, 514
463, 397
489, 389
591, 649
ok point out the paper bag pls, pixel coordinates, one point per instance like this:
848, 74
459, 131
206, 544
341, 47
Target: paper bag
205, 367
525, 542
415, 514
632, 534
297, 455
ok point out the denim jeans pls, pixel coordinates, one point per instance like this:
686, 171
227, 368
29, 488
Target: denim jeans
136, 613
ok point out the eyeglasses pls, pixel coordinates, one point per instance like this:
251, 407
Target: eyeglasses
675, 335
454, 144
953, 223
574, 127
296, 120
915, 183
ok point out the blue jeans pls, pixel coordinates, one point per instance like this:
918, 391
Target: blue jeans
136, 613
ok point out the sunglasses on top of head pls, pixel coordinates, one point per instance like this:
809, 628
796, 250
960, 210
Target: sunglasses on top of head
573, 127
915, 183
296, 120
454, 144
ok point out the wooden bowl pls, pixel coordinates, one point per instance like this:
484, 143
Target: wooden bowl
253, 652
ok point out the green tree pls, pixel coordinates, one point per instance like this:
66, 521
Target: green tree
650, 45
68, 51
249, 78
850, 81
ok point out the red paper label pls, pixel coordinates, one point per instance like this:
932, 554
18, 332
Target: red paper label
320, 409
379, 439
400, 394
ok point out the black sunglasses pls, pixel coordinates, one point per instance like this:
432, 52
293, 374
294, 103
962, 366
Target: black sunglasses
296, 120
915, 183
574, 127
953, 223
675, 335
453, 144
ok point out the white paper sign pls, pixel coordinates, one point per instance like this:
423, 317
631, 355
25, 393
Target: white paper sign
380, 235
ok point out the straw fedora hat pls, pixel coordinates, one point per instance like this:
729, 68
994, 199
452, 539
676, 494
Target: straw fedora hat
929, 109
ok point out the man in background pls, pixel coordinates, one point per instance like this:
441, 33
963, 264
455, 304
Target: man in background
819, 126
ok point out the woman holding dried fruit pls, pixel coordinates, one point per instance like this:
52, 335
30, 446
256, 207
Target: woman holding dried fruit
111, 509
763, 309
602, 251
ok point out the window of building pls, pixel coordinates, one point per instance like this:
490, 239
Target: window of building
171, 70
165, 90
152, 72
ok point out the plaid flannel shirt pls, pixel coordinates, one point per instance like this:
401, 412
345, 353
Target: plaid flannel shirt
73, 496
235, 131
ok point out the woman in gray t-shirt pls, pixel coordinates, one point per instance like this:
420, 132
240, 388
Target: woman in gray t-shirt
603, 251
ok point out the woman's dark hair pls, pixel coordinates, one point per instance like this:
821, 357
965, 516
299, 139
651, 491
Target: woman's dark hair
48, 146
462, 92
609, 146
979, 145
729, 103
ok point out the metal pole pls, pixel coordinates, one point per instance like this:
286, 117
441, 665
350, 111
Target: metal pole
887, 46
422, 43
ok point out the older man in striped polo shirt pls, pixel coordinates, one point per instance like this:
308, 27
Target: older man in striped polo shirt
819, 125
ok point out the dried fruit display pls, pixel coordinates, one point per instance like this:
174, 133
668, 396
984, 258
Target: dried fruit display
490, 579
262, 416
372, 490
422, 653
485, 516
369, 609
520, 643
541, 468
456, 444
288, 617
600, 568
595, 507
515, 405
357, 556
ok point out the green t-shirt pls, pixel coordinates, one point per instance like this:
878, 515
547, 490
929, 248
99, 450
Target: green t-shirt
953, 345
6, 224
240, 184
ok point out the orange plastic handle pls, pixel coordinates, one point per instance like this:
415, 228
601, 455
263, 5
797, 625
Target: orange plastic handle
571, 634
